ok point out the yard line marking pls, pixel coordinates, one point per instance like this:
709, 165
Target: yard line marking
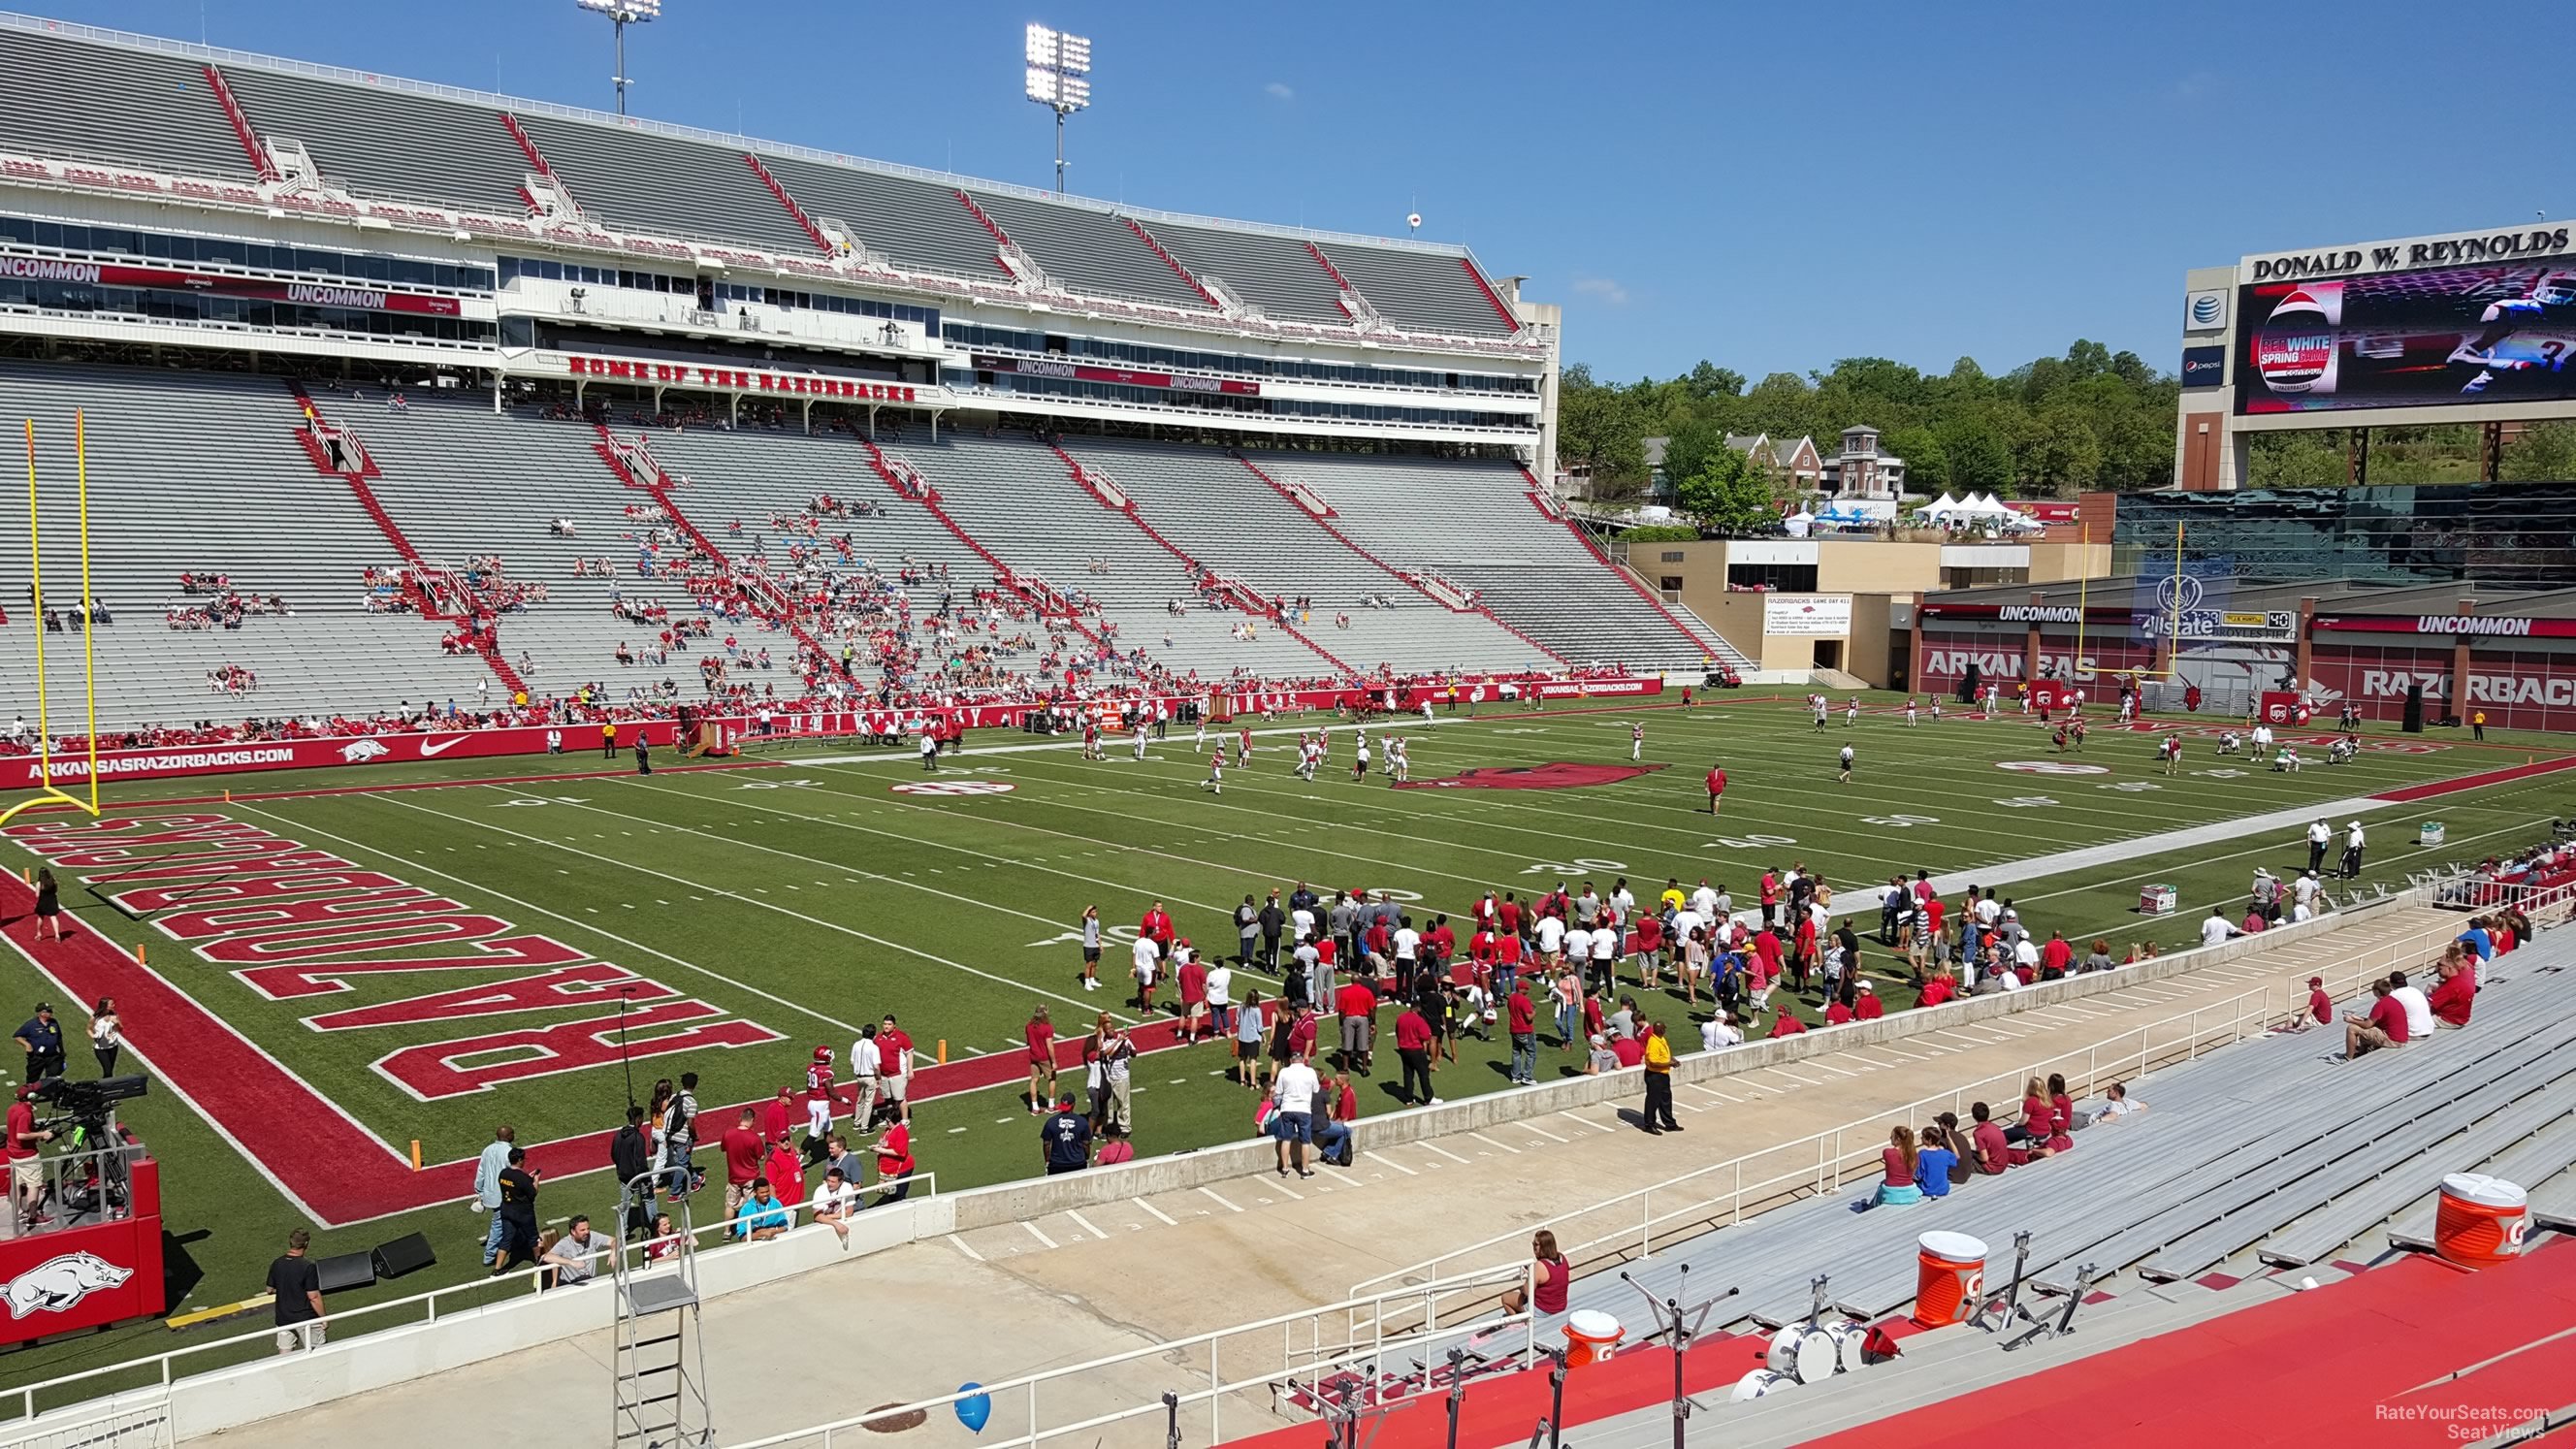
1036, 1233
1084, 1223
1213, 1196
634, 869
1158, 1212
1389, 1161
346, 843
1443, 1151
964, 1247
1588, 1122
956, 1129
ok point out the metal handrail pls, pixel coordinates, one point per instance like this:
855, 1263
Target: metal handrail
1292, 1362
1830, 1167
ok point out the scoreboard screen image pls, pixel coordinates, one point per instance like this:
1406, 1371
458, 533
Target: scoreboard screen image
2441, 335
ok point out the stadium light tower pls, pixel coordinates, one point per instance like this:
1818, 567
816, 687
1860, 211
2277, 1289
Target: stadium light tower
1059, 71
624, 13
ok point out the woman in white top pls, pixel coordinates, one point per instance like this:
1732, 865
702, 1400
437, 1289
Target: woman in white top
106, 1035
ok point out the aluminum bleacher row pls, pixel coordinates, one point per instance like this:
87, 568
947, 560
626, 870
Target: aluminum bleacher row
1473, 522
192, 472
2272, 1141
91, 98
202, 472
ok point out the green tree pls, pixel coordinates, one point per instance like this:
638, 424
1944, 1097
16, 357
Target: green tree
1728, 493
2544, 453
1708, 381
1601, 428
1927, 466
1975, 454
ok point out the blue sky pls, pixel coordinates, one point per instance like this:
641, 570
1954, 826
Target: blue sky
1767, 186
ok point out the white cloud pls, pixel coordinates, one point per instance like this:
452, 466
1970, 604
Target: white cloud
1603, 288
1280, 91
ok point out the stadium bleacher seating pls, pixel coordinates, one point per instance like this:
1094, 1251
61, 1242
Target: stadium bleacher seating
644, 181
201, 473
166, 114
1419, 291
1270, 272
1089, 251
2270, 1146
381, 141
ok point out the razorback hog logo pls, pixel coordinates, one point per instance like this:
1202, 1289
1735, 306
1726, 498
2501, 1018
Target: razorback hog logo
1554, 775
358, 752
57, 1283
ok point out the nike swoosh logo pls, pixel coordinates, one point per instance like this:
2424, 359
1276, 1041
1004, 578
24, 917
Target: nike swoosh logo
430, 750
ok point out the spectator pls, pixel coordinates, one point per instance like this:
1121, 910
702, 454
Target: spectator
49, 907
895, 1164
1901, 1162
1413, 1047
518, 1214
1293, 1096
1986, 1141
2419, 1012
1601, 1059
2061, 1106
297, 1286
630, 1152
1659, 1081
763, 1216
743, 1151
1039, 1034
2320, 1010
487, 1185
106, 1035
1250, 1021
1064, 1139
24, 1140
2451, 996
574, 1257
2384, 1025
1550, 1276
836, 1198
2217, 928
1720, 1032
2099, 959
2116, 1106
1334, 1128
1934, 1162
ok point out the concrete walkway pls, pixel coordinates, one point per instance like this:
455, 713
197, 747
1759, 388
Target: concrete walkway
1011, 1299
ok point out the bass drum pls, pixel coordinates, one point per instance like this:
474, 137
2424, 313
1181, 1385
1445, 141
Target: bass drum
1758, 1383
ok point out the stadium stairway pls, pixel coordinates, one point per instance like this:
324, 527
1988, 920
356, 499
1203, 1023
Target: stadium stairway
2263, 1138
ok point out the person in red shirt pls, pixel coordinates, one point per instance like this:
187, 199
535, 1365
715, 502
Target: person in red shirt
1803, 954
894, 1162
894, 1066
1357, 1007
1439, 943
1302, 1033
1766, 956
1040, 1036
1770, 894
775, 1115
743, 1150
786, 1174
1507, 960
818, 1102
2383, 1026
1788, 1024
1193, 997
1413, 1046
20, 1144
2450, 998
2320, 1006
1942, 987
1522, 1015
1836, 1013
1593, 1020
2055, 957
1628, 1050
1716, 786
1646, 940
1866, 1006
1986, 1143
1507, 916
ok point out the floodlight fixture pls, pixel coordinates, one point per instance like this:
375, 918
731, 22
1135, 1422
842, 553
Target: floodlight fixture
1059, 69
623, 13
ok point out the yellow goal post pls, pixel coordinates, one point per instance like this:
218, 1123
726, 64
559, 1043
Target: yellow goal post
47, 791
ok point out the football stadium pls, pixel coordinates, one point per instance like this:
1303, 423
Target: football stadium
956, 813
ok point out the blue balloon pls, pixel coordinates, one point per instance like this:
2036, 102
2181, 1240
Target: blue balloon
976, 1409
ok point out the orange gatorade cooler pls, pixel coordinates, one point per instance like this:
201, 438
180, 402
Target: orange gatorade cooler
1590, 1334
2481, 1220
1951, 1274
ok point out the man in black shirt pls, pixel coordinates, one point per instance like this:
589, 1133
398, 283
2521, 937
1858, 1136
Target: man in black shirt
518, 1214
632, 1155
1066, 1139
298, 1287
42, 1040
1273, 921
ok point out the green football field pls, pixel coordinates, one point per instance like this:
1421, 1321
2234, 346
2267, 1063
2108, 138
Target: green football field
748, 913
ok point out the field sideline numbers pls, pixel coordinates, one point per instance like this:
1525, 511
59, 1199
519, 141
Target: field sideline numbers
1577, 866
1747, 842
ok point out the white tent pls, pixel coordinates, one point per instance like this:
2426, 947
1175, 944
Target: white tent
1940, 505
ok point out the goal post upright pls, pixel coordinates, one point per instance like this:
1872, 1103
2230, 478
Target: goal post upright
46, 790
